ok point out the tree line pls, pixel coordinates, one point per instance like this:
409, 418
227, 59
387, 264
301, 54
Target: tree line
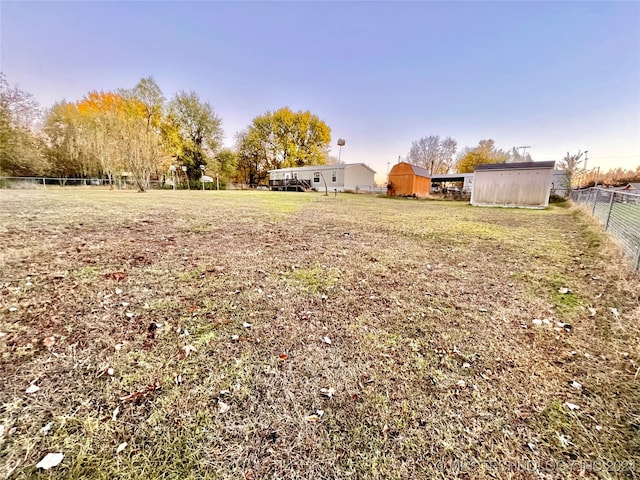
138, 134
440, 156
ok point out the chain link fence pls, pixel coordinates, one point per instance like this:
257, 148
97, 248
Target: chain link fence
619, 213
117, 183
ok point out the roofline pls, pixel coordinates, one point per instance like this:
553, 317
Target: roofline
550, 165
321, 167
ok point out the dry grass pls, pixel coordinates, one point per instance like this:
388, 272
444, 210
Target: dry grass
437, 366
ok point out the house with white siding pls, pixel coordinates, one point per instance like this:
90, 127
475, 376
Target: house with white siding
349, 176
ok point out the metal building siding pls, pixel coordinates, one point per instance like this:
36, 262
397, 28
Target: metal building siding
512, 188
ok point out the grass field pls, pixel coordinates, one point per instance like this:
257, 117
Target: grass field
259, 335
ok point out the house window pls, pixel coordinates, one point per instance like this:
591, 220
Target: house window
286, 176
334, 176
316, 177
295, 175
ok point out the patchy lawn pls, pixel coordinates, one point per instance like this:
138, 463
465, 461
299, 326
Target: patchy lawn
259, 335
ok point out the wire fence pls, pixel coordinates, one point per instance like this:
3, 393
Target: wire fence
117, 183
619, 213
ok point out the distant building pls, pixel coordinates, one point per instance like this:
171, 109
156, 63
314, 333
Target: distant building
526, 184
406, 180
349, 176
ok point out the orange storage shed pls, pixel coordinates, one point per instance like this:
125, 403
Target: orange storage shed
406, 180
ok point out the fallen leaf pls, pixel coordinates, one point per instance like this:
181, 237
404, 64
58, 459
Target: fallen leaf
592, 311
141, 393
564, 441
115, 413
466, 365
461, 384
50, 460
327, 392
32, 389
188, 349
571, 406
575, 384
246, 325
283, 357
129, 314
327, 340
117, 276
224, 408
121, 447
532, 447
118, 291
49, 341
385, 429
235, 338
46, 428
312, 418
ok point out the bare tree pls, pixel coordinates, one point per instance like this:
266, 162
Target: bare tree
571, 166
433, 154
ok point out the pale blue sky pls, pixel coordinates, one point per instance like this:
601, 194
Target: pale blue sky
557, 76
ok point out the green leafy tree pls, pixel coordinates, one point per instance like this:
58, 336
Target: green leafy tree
196, 131
282, 139
21, 149
226, 164
252, 157
63, 135
485, 152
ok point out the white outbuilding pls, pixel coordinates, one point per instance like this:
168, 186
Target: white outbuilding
525, 185
349, 176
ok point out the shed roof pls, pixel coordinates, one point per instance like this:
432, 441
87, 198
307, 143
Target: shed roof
418, 171
517, 166
451, 177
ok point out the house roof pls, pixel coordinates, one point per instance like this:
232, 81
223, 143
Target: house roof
315, 168
517, 166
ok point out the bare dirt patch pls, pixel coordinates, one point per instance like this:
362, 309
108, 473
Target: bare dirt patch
261, 335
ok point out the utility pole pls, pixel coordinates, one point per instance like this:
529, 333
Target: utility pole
524, 150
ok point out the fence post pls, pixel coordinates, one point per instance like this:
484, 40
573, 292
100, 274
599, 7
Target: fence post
606, 224
595, 200
637, 262
44, 182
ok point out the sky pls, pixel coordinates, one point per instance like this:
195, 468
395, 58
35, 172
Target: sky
556, 76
